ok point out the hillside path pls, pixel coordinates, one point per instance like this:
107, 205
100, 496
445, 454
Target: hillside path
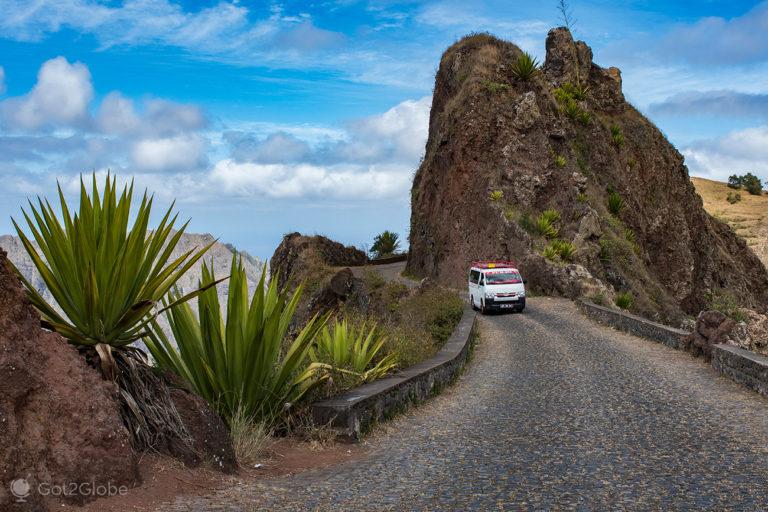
390, 272
554, 412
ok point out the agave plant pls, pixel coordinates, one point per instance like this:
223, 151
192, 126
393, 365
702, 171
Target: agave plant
353, 349
239, 365
525, 67
105, 277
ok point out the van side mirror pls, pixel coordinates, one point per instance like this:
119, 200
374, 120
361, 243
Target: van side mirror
525, 281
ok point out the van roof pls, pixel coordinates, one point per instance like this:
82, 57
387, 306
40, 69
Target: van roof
493, 264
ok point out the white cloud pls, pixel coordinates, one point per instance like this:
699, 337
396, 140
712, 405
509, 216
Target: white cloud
736, 153
179, 153
306, 180
2, 80
59, 98
278, 147
398, 135
724, 103
224, 30
117, 115
722, 41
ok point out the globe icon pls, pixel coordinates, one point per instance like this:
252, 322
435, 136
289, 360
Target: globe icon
20, 488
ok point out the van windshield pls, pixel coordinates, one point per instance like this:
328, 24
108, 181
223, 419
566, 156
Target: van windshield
503, 278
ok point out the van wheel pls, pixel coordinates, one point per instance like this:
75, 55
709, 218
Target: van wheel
472, 301
482, 307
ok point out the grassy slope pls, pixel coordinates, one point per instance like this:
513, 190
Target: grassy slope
748, 217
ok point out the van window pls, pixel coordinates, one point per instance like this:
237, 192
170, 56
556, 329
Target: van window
509, 277
474, 275
482, 279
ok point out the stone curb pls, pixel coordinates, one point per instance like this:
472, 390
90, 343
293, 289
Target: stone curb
634, 324
744, 367
354, 412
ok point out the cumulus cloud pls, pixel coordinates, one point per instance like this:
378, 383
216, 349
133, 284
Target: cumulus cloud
736, 153
397, 135
52, 125
59, 98
278, 147
742, 39
179, 153
726, 103
306, 180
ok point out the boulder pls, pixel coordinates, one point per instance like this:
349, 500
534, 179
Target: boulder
59, 421
712, 327
211, 438
343, 287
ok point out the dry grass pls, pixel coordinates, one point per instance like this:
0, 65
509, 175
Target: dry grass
251, 439
748, 217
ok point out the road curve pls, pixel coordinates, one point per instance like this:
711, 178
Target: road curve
554, 413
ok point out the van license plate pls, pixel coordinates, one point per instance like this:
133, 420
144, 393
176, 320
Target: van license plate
507, 305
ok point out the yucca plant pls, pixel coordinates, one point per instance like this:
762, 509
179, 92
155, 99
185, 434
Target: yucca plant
624, 300
496, 195
525, 67
617, 136
239, 365
550, 253
353, 350
615, 203
565, 249
105, 277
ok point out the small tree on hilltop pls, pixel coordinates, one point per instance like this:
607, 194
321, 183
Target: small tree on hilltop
752, 184
385, 244
749, 181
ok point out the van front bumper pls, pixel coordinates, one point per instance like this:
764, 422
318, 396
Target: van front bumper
505, 304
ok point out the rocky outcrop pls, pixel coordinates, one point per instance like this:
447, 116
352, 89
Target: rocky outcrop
566, 140
299, 256
342, 288
59, 422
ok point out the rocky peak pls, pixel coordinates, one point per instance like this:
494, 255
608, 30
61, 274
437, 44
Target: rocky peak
501, 151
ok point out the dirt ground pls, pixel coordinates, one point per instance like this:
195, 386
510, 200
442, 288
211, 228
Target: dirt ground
165, 478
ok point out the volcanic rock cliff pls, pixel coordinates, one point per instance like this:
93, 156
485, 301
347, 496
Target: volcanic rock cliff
502, 150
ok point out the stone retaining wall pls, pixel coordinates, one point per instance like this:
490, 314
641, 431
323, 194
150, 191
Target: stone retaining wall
634, 324
353, 413
743, 366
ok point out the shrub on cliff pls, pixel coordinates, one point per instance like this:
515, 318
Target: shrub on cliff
385, 244
525, 67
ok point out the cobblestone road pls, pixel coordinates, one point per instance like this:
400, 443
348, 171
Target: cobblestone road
554, 413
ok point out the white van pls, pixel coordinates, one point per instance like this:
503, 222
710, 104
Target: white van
496, 285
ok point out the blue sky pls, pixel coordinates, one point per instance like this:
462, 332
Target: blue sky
264, 118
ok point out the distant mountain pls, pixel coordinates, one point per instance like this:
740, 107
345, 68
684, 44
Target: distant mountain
220, 253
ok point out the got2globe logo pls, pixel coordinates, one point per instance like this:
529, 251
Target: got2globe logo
20, 489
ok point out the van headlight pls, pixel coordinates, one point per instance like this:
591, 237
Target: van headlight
489, 295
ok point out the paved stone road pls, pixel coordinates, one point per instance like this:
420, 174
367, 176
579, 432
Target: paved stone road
554, 413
